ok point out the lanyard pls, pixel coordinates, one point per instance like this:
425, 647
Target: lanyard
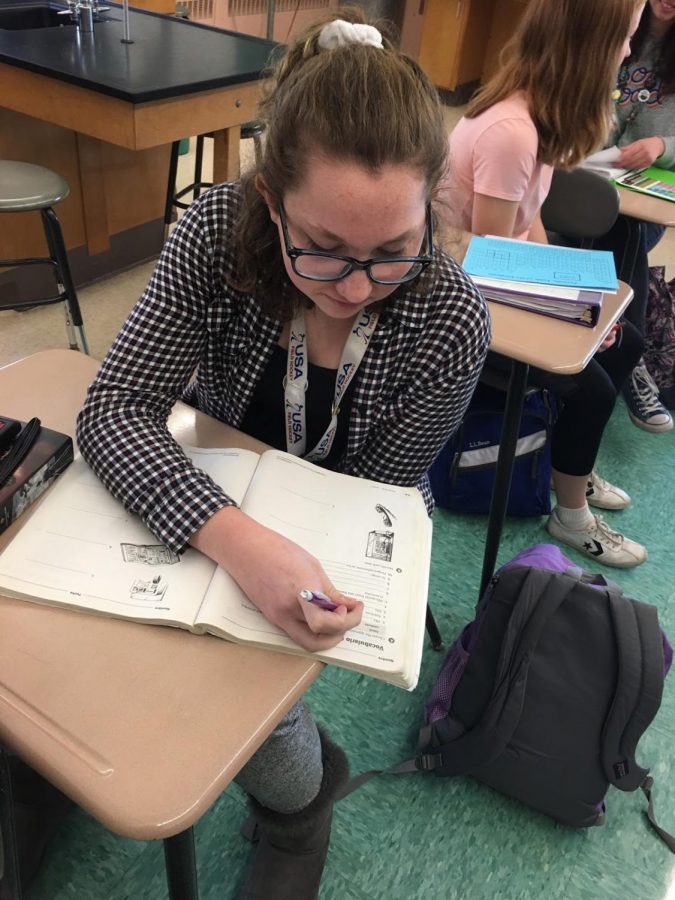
295, 382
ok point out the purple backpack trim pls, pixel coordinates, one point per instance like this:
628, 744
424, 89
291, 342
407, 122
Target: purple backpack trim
541, 556
667, 653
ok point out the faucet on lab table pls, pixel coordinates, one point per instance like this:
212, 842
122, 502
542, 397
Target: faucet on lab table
83, 13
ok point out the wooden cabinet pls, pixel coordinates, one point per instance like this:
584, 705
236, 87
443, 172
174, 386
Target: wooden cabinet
160, 6
506, 16
250, 16
454, 40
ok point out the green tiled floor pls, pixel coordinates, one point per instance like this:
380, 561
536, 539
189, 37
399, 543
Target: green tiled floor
416, 836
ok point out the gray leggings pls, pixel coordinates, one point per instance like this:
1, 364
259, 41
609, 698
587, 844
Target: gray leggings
285, 773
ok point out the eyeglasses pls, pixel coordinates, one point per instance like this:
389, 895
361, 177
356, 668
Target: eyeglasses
319, 266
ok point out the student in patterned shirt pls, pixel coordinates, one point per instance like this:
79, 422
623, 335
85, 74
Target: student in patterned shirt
645, 133
332, 237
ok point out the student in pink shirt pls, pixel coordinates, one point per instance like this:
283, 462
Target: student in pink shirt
494, 156
545, 107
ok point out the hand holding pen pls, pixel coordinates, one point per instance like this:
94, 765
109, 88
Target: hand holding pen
271, 570
327, 613
318, 598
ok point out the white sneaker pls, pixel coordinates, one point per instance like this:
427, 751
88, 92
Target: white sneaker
599, 542
604, 495
642, 399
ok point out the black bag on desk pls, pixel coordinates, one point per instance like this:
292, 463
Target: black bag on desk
463, 474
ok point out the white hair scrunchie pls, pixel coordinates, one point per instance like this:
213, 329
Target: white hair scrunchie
339, 33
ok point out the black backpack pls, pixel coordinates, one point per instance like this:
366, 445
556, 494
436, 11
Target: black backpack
546, 693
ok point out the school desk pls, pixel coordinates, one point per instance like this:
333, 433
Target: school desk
531, 339
143, 727
649, 209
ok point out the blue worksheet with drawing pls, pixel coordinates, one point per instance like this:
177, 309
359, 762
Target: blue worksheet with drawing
511, 260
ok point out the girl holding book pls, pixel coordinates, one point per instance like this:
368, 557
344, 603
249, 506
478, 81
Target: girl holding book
523, 122
645, 133
327, 245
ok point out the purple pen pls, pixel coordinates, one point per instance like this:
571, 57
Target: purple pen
318, 599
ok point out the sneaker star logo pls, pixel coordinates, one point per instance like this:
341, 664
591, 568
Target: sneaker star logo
588, 547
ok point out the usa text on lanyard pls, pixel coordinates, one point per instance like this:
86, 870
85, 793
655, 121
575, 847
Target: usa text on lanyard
295, 386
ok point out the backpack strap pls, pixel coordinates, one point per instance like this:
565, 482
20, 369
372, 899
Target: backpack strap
408, 765
667, 838
639, 686
636, 700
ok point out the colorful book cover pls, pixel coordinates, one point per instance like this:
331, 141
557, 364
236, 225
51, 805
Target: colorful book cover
653, 181
51, 453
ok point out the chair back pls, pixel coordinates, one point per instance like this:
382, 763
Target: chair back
580, 204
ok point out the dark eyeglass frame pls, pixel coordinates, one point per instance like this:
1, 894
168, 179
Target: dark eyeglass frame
294, 253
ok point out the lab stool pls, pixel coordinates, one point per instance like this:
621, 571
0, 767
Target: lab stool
27, 188
249, 130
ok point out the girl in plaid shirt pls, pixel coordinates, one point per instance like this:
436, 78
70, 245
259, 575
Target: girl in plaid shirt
311, 285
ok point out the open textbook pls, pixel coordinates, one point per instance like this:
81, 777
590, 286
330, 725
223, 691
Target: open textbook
80, 549
653, 181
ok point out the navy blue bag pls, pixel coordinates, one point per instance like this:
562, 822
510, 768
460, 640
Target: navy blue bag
462, 476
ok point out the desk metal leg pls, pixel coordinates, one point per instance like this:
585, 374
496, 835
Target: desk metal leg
10, 882
432, 629
507, 451
181, 866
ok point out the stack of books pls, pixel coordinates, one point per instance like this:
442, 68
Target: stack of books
562, 282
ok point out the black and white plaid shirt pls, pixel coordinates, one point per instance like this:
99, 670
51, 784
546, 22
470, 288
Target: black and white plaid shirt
410, 393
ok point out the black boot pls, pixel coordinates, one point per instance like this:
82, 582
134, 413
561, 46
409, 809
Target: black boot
292, 848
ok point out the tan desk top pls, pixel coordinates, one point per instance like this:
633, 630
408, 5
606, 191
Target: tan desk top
143, 726
562, 347
642, 206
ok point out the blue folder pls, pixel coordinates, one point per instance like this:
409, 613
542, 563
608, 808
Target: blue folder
511, 260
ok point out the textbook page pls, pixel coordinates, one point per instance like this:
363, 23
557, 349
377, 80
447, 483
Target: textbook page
81, 549
529, 289
603, 162
374, 542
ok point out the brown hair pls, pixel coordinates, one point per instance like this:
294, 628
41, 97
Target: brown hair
564, 57
362, 103
665, 62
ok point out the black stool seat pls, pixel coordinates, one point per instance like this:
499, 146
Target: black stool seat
25, 187
252, 130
